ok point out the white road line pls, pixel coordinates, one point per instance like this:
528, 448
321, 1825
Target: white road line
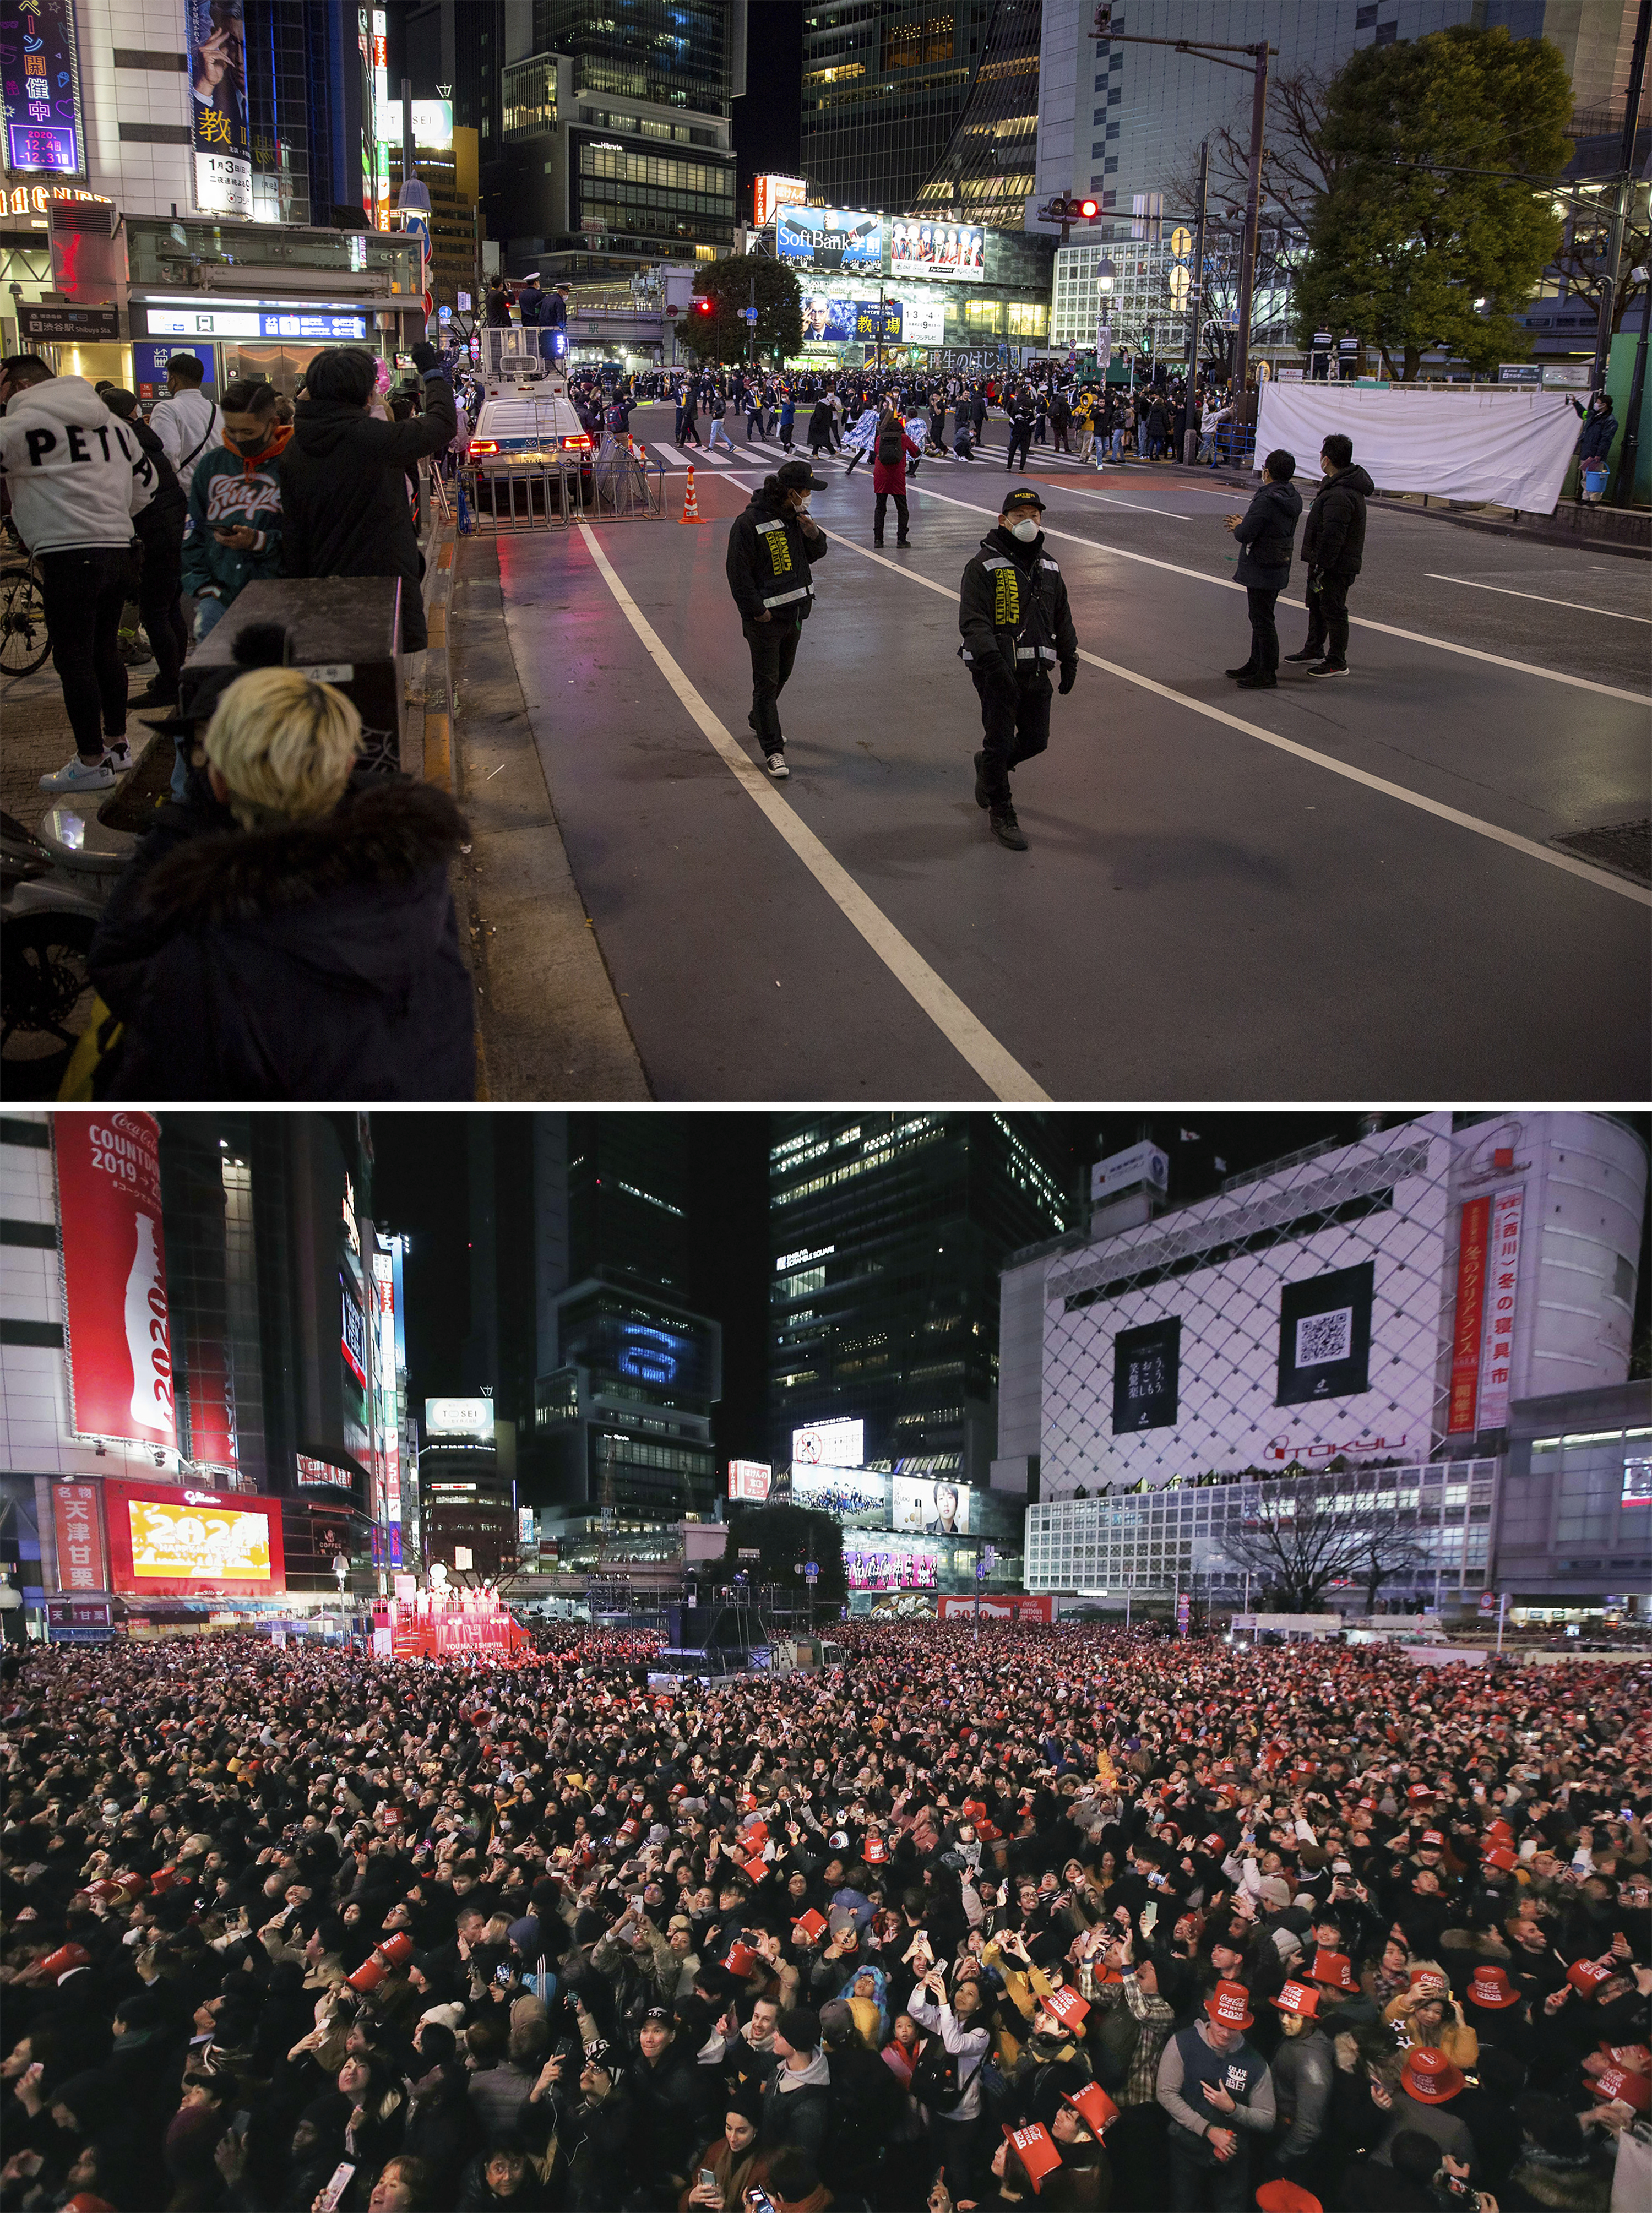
1492, 831
1469, 584
670, 454
1003, 1075
1360, 622
1113, 500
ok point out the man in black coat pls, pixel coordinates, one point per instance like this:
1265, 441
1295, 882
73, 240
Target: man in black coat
1333, 546
1016, 626
345, 511
1266, 532
160, 528
772, 548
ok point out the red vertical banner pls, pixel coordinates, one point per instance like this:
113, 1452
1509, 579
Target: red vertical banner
77, 1518
1463, 1419
117, 1326
1502, 1279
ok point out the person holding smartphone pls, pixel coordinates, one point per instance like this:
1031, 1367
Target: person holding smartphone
731, 2164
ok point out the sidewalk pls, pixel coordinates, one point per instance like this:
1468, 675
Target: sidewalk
549, 1022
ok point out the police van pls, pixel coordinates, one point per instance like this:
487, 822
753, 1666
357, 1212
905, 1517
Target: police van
526, 417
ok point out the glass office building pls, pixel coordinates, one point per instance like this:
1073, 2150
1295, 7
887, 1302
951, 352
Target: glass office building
1156, 1542
679, 53
888, 1233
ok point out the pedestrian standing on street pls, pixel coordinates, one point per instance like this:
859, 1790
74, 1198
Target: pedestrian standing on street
1266, 532
1061, 414
160, 528
1594, 447
819, 426
889, 477
688, 428
772, 545
187, 422
1333, 551
787, 416
1017, 627
1020, 431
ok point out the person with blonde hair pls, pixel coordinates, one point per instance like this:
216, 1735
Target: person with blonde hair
287, 930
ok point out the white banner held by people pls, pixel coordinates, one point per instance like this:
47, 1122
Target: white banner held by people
1507, 446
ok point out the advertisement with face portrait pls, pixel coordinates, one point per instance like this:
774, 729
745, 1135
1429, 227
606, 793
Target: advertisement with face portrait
828, 239
938, 249
932, 1507
216, 32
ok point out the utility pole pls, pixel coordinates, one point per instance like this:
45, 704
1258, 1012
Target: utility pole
1623, 187
1629, 453
1195, 310
1258, 71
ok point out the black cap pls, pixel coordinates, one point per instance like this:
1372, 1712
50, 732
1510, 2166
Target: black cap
1023, 497
798, 476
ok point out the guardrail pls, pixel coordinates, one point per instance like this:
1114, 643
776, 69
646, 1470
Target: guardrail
542, 491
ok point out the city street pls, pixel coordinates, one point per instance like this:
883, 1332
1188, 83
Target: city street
1329, 890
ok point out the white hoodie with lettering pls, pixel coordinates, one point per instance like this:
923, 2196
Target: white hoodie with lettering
75, 473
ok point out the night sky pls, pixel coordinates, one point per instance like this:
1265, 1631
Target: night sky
419, 1186
768, 121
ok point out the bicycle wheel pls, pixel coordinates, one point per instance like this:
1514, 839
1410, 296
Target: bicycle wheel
47, 998
24, 643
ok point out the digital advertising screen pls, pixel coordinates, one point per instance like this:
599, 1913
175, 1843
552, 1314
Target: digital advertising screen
930, 1508
938, 249
827, 320
828, 239
888, 1564
164, 1541
215, 35
829, 1444
748, 1479
40, 71
849, 1495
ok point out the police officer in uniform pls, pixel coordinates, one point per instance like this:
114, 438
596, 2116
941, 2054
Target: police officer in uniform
772, 547
1017, 628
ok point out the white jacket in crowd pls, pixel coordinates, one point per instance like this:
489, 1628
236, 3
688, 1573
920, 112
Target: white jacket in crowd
75, 473
188, 427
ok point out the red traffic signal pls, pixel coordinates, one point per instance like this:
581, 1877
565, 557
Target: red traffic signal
1064, 210
706, 307
1087, 209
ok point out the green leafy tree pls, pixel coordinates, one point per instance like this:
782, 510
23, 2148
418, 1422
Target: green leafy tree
785, 1537
724, 334
1404, 247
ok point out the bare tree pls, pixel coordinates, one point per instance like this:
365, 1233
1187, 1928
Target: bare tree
1296, 170
1385, 1548
1299, 1548
1582, 260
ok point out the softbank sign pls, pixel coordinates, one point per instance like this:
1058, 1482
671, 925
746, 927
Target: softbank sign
117, 1327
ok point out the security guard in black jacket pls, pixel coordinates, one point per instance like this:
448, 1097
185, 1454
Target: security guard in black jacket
1017, 626
770, 548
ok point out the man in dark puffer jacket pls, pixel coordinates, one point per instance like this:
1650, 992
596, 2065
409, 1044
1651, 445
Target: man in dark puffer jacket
1333, 546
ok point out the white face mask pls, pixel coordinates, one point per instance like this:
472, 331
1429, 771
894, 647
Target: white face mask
1025, 529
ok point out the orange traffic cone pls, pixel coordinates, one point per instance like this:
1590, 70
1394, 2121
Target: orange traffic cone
691, 512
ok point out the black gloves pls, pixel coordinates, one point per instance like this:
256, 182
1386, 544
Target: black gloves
425, 357
1069, 676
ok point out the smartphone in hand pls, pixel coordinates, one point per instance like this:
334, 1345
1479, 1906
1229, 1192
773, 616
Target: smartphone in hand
337, 2183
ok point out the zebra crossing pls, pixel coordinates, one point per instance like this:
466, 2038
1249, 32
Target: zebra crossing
769, 452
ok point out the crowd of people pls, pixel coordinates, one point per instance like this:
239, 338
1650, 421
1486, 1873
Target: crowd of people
1080, 1917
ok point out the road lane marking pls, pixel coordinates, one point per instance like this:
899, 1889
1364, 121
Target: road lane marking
1002, 1075
1454, 815
1360, 622
1469, 584
1112, 499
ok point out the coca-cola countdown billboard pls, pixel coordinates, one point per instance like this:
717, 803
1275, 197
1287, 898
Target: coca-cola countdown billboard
117, 1328
173, 1540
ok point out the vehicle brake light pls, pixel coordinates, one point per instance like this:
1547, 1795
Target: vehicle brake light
580, 440
485, 445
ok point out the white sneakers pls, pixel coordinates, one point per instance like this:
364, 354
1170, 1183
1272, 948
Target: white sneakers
91, 776
777, 768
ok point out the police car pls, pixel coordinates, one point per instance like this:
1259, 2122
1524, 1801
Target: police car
526, 418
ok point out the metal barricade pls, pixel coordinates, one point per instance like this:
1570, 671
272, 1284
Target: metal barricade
541, 494
620, 481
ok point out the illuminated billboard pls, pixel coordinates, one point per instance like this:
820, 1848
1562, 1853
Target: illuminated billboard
888, 1563
938, 249
930, 1509
459, 1417
164, 1541
770, 193
216, 36
38, 68
824, 239
829, 1444
117, 1326
849, 1495
749, 1479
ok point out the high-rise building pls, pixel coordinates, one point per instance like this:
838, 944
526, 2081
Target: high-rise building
888, 1232
1118, 118
616, 135
912, 105
200, 1333
627, 1373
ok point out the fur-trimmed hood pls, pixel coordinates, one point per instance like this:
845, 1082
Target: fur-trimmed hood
385, 831
1570, 2186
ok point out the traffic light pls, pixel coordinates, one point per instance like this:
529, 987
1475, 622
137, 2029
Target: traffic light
1066, 211
706, 307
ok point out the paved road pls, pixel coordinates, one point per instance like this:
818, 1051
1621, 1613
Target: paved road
1330, 891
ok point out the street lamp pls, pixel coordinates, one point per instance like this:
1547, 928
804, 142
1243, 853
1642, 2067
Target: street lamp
1106, 273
